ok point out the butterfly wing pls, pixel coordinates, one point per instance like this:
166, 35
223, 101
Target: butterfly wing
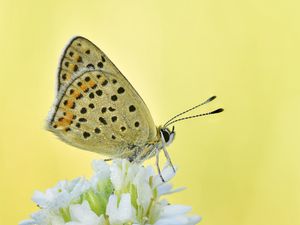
100, 111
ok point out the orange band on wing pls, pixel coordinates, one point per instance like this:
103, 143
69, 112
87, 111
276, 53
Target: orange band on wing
92, 84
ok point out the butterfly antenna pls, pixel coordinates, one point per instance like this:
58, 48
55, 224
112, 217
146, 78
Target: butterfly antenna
203, 103
203, 114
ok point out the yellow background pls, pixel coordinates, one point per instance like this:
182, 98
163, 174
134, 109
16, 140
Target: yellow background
241, 167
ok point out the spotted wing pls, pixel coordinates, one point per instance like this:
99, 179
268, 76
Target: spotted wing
101, 112
81, 53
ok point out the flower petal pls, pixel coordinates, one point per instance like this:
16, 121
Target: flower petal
101, 169
83, 213
167, 173
125, 208
119, 214
144, 191
178, 220
173, 210
194, 219
27, 222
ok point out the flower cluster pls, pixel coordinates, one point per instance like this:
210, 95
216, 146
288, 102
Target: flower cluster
120, 193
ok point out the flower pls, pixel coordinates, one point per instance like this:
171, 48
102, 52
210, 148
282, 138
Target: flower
120, 193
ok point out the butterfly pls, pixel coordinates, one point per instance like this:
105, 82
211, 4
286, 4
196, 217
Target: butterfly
97, 109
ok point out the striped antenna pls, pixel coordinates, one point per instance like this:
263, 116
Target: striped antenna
198, 115
172, 120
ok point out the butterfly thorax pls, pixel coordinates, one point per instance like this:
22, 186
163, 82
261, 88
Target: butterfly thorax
164, 137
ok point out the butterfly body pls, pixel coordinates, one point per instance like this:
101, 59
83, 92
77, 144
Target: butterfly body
97, 109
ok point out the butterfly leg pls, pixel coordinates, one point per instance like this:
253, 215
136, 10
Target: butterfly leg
106, 160
157, 165
166, 153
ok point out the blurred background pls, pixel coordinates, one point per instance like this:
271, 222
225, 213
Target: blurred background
241, 167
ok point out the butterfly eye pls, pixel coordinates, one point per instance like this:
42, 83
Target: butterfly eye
166, 135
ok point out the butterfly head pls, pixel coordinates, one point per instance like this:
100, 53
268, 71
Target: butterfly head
168, 135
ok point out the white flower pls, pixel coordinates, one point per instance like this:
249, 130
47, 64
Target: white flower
120, 193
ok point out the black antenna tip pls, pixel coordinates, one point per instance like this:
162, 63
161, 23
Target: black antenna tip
217, 111
210, 99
